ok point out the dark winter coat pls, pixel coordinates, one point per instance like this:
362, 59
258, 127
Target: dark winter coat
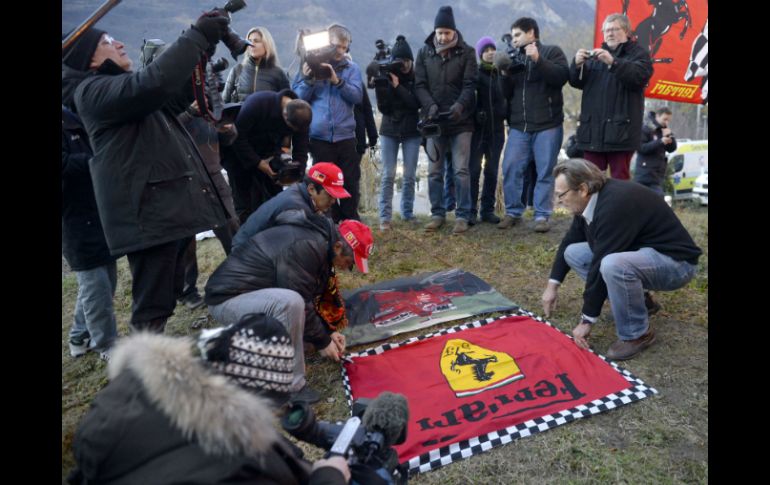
627, 217
535, 94
491, 103
612, 106
295, 254
445, 81
165, 418
651, 160
365, 125
83, 243
150, 181
399, 107
251, 78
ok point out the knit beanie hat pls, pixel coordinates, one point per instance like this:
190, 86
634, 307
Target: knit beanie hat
445, 18
401, 49
256, 353
78, 55
483, 43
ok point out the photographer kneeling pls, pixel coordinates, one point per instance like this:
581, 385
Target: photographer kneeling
169, 417
393, 80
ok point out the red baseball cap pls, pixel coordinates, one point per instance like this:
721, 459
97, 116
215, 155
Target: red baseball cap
330, 177
359, 237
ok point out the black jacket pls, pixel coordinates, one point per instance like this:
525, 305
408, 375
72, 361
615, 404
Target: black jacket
295, 254
491, 103
534, 95
399, 107
150, 181
244, 80
165, 418
627, 217
365, 125
445, 81
83, 243
651, 160
613, 99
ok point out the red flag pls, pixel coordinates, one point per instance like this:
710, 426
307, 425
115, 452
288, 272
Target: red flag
487, 381
675, 32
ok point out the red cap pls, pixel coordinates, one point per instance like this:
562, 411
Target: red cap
330, 176
359, 237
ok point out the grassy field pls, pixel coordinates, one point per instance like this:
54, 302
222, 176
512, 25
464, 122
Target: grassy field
662, 439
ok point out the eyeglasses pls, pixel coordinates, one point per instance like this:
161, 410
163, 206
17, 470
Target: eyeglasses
559, 196
614, 29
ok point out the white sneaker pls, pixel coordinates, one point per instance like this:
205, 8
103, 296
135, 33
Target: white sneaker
79, 347
106, 355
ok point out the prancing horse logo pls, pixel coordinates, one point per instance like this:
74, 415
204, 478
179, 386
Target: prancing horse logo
470, 369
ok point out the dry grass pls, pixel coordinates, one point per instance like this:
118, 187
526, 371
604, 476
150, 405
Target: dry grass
663, 439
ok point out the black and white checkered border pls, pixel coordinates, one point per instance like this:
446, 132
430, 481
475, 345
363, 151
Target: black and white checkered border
445, 455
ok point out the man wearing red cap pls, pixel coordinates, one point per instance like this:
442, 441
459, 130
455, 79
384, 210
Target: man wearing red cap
287, 272
322, 187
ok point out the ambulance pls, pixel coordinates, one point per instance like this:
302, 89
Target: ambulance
687, 163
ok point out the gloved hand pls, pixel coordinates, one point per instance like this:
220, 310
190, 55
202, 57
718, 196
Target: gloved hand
433, 112
213, 26
456, 112
372, 69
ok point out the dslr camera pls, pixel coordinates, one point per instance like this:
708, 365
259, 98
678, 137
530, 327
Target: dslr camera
385, 64
430, 128
315, 49
366, 450
517, 55
233, 41
288, 171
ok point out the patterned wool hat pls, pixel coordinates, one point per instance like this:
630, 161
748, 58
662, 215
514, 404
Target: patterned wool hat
255, 353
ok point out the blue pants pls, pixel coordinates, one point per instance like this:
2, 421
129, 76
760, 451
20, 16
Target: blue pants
94, 314
410, 148
459, 145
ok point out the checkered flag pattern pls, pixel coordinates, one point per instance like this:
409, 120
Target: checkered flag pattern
699, 60
445, 455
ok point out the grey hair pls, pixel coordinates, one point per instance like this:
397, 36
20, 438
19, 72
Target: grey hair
340, 32
625, 24
579, 171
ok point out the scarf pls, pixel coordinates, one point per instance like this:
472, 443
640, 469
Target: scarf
441, 48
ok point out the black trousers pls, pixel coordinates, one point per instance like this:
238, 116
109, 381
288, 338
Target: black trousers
344, 155
250, 188
154, 285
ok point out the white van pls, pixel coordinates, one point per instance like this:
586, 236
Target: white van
688, 162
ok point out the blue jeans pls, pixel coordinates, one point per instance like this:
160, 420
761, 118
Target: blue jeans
94, 315
522, 147
487, 144
449, 184
627, 275
410, 148
436, 147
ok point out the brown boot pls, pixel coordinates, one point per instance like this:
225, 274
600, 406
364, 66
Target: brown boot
434, 224
627, 349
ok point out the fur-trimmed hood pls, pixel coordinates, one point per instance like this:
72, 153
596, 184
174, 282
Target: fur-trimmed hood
223, 418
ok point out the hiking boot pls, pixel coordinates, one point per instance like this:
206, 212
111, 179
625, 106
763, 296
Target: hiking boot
434, 224
385, 226
490, 218
461, 225
306, 394
192, 301
79, 346
508, 221
412, 222
542, 225
653, 306
627, 349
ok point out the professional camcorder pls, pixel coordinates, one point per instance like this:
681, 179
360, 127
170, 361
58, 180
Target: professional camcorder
365, 439
315, 49
516, 54
385, 64
287, 170
232, 40
430, 128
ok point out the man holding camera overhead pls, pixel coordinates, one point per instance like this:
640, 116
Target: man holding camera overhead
151, 185
333, 88
532, 77
612, 78
445, 73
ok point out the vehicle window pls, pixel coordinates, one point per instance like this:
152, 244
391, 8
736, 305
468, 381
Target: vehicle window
678, 162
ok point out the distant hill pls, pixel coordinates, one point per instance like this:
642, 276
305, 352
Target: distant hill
134, 20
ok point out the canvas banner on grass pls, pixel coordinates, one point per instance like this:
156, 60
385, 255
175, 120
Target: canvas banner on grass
483, 384
388, 308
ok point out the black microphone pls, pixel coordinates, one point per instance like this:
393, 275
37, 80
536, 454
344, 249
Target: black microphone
388, 414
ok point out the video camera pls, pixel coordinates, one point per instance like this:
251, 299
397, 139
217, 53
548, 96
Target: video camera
315, 49
516, 54
232, 40
430, 128
385, 64
365, 439
287, 170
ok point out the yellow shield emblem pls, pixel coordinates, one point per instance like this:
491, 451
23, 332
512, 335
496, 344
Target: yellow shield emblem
470, 369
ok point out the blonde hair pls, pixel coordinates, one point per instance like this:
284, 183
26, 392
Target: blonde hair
271, 55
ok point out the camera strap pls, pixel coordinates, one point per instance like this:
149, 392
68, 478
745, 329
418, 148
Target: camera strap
209, 106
